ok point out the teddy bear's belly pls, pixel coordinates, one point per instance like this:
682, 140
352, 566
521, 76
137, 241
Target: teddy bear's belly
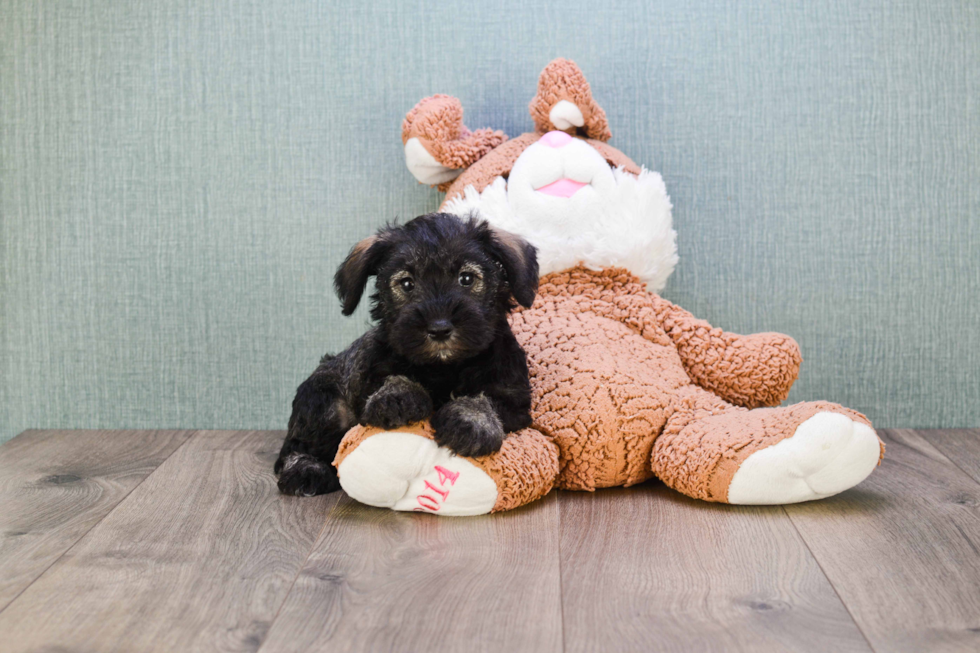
601, 391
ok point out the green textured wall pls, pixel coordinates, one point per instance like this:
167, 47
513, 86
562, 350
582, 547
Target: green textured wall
178, 181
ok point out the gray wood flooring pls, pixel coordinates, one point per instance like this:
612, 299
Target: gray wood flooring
179, 541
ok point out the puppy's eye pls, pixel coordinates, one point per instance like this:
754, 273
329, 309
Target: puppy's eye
407, 284
466, 279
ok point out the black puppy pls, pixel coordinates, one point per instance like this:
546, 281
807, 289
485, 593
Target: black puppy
442, 347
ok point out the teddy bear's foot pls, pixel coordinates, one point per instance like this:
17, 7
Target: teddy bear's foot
402, 470
713, 451
827, 454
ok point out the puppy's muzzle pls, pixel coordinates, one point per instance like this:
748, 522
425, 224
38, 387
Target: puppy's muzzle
440, 330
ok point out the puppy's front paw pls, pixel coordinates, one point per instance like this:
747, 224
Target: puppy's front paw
305, 476
398, 402
469, 426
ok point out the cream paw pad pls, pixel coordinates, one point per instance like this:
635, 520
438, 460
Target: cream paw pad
827, 454
404, 469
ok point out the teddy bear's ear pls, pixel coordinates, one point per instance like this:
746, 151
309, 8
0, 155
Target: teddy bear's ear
564, 103
437, 144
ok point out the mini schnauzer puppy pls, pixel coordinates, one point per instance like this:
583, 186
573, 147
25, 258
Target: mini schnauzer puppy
441, 348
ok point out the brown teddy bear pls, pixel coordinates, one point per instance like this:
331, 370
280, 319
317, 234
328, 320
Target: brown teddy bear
626, 385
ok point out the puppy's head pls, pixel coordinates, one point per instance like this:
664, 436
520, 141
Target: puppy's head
444, 284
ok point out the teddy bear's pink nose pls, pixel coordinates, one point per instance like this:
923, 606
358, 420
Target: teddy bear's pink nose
556, 139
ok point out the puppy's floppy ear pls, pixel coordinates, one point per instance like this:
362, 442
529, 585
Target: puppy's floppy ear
353, 273
519, 259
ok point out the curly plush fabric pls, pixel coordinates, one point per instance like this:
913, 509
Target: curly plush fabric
437, 122
591, 376
524, 469
562, 80
618, 373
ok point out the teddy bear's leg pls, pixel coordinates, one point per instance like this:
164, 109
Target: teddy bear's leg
765, 456
404, 469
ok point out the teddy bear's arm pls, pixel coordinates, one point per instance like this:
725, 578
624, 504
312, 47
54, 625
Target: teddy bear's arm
752, 371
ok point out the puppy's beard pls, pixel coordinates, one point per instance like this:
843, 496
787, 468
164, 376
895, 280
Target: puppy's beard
445, 351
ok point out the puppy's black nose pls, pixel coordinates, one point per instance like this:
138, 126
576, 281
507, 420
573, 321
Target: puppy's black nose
440, 330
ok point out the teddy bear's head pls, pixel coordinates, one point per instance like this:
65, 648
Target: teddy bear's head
562, 187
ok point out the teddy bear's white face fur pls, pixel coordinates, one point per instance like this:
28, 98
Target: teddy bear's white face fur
565, 199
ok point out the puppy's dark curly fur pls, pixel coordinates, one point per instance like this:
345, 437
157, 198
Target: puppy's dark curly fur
441, 347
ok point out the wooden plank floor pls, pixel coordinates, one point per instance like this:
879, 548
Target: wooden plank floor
179, 541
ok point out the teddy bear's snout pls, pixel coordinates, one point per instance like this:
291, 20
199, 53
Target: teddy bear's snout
556, 139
